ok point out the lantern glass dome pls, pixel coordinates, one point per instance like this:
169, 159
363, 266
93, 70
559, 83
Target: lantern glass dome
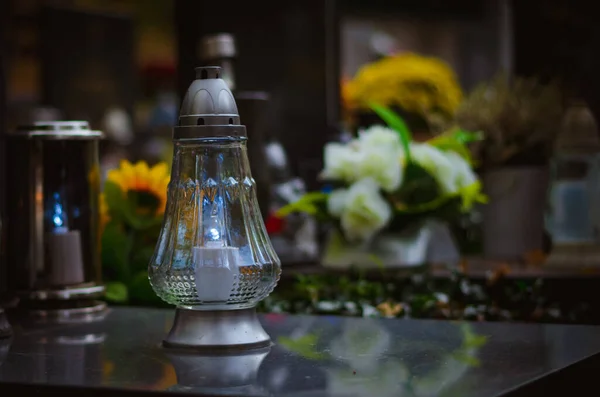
213, 252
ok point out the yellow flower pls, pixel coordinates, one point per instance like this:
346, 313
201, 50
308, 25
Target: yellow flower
140, 178
104, 214
389, 309
411, 82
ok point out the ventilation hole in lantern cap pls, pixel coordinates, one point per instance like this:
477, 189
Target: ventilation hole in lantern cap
230, 120
203, 76
200, 121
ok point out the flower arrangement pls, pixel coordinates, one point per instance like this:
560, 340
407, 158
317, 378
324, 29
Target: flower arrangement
423, 86
361, 348
519, 119
385, 180
131, 212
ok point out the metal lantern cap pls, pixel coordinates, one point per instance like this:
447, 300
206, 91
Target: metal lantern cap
209, 109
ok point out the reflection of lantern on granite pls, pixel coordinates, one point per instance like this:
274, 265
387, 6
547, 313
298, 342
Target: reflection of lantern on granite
56, 355
213, 259
221, 374
52, 219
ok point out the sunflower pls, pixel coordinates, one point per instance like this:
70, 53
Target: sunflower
147, 186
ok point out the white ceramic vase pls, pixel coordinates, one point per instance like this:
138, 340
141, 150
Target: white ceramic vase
426, 243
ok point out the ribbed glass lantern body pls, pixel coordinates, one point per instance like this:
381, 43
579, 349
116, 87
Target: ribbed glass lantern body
213, 252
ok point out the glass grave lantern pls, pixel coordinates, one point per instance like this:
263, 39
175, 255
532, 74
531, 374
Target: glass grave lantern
213, 259
573, 219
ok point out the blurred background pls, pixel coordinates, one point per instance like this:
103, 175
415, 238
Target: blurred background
124, 66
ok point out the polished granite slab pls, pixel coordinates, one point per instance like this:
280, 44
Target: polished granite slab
312, 356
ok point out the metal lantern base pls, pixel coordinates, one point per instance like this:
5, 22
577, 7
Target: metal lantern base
217, 330
232, 373
5, 329
69, 312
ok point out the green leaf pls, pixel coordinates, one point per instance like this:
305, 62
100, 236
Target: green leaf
456, 140
469, 195
115, 253
471, 339
461, 136
472, 194
310, 204
377, 261
395, 122
305, 346
116, 292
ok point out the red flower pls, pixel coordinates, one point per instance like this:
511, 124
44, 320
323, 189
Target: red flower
274, 224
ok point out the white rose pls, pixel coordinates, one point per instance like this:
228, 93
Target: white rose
382, 164
365, 211
361, 344
337, 202
437, 163
340, 162
378, 135
463, 172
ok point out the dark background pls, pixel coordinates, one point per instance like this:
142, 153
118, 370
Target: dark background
291, 49
560, 38
3, 36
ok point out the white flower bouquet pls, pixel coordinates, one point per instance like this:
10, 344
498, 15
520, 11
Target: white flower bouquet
383, 180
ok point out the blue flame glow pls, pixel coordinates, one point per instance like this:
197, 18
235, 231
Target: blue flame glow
58, 215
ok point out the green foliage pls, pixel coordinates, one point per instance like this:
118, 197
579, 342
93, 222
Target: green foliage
117, 245
471, 339
116, 292
356, 293
128, 243
396, 123
141, 258
419, 187
457, 140
314, 203
420, 194
140, 290
136, 209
